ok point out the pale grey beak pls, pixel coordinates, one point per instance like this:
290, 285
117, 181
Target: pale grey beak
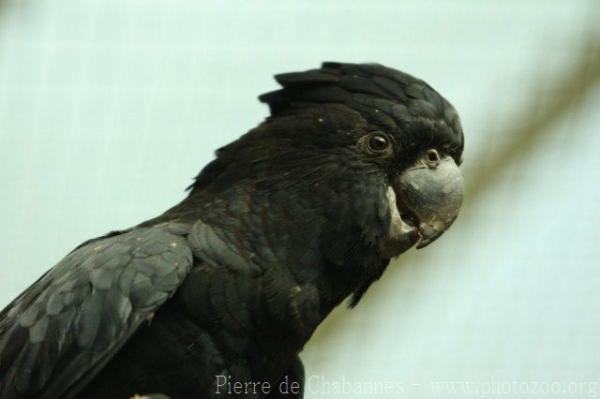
429, 195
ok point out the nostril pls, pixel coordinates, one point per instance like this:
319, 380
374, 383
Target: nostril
433, 156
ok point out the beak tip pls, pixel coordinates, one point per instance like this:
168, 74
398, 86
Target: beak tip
423, 242
429, 232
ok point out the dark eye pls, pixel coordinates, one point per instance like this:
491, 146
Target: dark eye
378, 142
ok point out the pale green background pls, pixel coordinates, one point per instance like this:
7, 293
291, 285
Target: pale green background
109, 108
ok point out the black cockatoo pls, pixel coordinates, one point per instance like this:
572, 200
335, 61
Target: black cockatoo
356, 164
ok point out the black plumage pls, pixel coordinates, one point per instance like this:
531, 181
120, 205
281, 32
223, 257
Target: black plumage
284, 224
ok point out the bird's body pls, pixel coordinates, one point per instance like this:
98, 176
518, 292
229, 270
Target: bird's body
217, 296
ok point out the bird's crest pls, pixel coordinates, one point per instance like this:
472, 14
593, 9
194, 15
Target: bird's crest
383, 95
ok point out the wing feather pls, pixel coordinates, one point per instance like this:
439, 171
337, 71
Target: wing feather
64, 328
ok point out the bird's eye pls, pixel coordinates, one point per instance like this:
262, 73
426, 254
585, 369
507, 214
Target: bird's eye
378, 142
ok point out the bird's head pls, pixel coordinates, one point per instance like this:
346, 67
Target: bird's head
361, 155
412, 136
